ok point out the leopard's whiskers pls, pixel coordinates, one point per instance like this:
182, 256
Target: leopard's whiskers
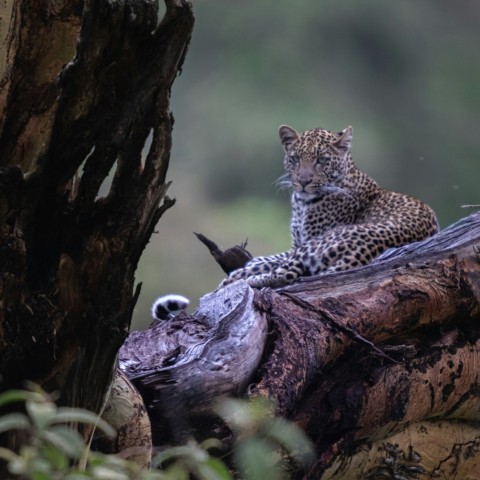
283, 182
329, 188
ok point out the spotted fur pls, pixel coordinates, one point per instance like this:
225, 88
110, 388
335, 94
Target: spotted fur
341, 218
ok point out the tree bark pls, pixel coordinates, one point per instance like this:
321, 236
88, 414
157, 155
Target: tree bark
83, 85
377, 356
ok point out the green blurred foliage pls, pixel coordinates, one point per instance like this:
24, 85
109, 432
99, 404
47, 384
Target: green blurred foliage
405, 75
265, 446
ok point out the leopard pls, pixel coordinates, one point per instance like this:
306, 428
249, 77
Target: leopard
340, 217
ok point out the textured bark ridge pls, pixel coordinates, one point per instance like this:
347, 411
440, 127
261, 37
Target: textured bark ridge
84, 84
379, 365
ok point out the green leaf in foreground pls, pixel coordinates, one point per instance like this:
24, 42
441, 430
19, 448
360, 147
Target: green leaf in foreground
257, 460
80, 415
293, 440
14, 421
12, 396
41, 413
214, 469
64, 439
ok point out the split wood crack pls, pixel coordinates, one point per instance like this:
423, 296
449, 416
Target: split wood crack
350, 332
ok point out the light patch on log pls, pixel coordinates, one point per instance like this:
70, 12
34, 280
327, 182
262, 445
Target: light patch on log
126, 413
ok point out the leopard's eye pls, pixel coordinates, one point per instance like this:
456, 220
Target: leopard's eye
321, 160
294, 159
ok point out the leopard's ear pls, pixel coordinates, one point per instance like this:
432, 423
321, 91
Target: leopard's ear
344, 139
287, 136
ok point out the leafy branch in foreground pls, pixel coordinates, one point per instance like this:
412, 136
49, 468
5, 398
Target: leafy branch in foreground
267, 447
55, 450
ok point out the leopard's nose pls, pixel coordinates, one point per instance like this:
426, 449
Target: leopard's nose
304, 181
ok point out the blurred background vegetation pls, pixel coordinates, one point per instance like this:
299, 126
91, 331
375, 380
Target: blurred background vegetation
404, 74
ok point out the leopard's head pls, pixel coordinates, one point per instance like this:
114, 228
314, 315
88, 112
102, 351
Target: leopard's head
316, 160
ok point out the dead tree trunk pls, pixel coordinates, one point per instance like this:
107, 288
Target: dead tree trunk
379, 365
83, 85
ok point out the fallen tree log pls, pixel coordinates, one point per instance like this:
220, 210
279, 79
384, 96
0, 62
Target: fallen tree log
354, 357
